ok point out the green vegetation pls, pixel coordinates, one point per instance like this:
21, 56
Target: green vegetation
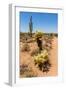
42, 61
38, 34
41, 57
30, 26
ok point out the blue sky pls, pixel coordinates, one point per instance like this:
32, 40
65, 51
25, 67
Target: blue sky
46, 22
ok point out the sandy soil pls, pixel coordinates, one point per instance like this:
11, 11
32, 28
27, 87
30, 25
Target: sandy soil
54, 58
26, 58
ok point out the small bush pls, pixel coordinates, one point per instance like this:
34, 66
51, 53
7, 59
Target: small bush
25, 47
26, 71
34, 52
31, 74
23, 69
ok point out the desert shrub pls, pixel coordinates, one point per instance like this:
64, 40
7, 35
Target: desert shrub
31, 74
48, 46
26, 71
45, 66
23, 68
48, 43
56, 35
25, 47
30, 40
34, 52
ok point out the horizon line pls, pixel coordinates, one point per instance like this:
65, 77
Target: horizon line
43, 32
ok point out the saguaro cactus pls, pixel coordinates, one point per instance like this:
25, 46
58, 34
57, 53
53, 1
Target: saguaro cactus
30, 26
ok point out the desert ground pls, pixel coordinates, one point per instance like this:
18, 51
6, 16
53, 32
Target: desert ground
27, 59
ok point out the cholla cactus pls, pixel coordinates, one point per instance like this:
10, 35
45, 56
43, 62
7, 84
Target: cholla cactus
42, 61
38, 34
41, 58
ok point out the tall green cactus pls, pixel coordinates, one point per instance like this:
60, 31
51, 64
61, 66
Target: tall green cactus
30, 26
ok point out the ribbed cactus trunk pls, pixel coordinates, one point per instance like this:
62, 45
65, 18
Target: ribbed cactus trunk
30, 26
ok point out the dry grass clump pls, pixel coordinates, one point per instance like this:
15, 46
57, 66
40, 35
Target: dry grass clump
23, 68
34, 52
25, 47
26, 71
